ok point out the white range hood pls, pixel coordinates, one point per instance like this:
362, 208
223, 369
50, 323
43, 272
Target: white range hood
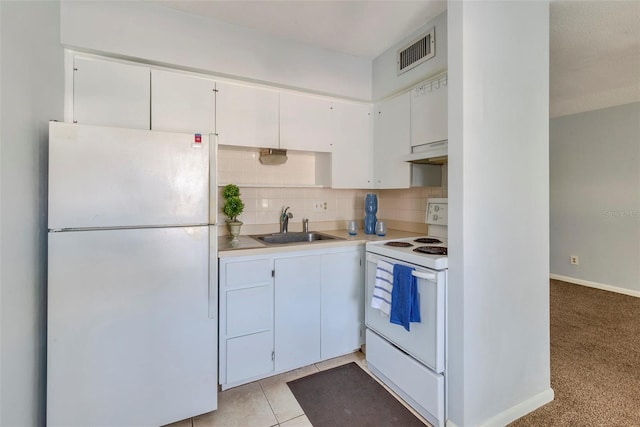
434, 153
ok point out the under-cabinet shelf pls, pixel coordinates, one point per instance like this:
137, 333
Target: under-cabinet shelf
250, 185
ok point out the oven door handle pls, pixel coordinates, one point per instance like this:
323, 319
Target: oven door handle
422, 275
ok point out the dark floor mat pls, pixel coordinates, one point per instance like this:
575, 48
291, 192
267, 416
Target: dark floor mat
347, 396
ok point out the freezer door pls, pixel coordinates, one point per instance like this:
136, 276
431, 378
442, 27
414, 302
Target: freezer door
131, 340
112, 177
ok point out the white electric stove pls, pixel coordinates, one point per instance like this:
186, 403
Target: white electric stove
425, 251
413, 362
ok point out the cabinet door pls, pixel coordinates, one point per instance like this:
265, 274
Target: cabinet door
247, 116
111, 93
352, 157
182, 103
305, 123
297, 311
342, 303
429, 112
392, 142
246, 320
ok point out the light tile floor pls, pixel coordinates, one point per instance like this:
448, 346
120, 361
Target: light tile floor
269, 402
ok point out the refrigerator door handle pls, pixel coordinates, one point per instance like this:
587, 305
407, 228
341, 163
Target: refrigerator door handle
213, 179
213, 272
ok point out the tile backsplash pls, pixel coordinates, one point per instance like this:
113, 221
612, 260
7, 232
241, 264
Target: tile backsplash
263, 206
242, 166
265, 190
407, 205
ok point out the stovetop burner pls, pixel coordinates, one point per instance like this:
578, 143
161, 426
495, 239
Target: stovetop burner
409, 249
399, 244
427, 240
431, 250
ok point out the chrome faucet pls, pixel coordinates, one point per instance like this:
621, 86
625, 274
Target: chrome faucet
305, 225
284, 220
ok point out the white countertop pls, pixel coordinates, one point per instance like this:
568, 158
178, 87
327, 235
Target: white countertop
249, 246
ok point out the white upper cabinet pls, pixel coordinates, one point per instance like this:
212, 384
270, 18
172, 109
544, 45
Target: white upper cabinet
305, 123
352, 157
182, 103
111, 93
392, 142
429, 112
247, 116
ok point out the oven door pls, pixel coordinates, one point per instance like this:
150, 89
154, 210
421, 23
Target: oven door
426, 340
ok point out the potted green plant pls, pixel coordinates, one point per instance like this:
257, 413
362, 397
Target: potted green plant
233, 206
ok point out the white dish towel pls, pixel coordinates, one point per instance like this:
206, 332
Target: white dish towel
382, 288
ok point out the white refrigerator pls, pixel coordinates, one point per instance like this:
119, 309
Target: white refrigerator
132, 277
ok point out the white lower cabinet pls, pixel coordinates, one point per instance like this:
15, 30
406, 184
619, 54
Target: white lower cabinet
246, 319
283, 311
297, 311
342, 303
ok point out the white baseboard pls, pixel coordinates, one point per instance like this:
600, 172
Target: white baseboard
596, 285
517, 411
520, 410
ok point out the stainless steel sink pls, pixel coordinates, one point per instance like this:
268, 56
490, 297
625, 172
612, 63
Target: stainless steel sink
291, 238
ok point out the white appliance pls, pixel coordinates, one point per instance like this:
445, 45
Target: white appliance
413, 363
132, 277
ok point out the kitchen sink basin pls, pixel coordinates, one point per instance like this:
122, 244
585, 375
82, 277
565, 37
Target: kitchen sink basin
293, 238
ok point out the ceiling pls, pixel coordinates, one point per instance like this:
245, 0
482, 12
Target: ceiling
594, 55
360, 28
594, 45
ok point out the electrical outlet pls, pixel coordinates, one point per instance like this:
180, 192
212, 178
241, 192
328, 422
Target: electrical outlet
575, 260
320, 206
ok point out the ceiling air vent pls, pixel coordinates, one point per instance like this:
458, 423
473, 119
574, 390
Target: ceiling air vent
416, 52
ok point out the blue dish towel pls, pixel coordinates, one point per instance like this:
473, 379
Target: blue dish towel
405, 303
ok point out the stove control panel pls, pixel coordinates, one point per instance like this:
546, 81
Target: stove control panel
437, 211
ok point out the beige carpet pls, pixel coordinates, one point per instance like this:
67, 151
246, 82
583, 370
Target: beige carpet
595, 359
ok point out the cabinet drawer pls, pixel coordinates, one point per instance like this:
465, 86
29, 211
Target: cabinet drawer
248, 273
249, 310
249, 356
422, 388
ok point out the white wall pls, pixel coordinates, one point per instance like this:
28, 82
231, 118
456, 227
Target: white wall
387, 82
161, 35
32, 93
595, 197
498, 210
